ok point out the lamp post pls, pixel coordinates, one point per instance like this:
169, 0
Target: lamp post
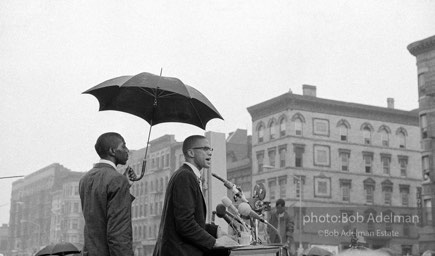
298, 178
39, 231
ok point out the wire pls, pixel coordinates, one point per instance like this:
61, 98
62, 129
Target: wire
9, 177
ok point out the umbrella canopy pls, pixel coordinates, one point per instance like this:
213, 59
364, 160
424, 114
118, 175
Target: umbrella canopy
156, 99
316, 251
58, 249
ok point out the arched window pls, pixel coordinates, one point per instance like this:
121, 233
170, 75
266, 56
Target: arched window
385, 135
367, 133
272, 129
282, 126
402, 134
298, 126
260, 131
343, 132
343, 128
298, 121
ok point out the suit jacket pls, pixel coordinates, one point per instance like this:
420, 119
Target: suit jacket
182, 227
106, 204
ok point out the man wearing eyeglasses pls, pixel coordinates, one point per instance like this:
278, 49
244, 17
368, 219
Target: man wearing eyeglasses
182, 228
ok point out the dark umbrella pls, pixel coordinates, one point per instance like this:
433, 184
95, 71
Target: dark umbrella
316, 251
156, 99
58, 249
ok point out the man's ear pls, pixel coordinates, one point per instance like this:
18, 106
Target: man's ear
111, 152
190, 153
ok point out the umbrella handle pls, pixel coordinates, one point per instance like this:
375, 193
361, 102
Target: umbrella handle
144, 163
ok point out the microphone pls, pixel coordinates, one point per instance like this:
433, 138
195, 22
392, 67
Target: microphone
245, 210
221, 212
229, 185
227, 202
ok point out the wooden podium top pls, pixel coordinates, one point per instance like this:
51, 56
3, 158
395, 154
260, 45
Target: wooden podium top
258, 250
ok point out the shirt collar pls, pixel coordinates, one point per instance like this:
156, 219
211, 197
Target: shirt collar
195, 170
104, 161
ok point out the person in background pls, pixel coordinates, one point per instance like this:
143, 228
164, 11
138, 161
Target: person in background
106, 201
183, 231
282, 221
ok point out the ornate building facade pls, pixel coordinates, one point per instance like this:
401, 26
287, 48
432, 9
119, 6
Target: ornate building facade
424, 51
339, 159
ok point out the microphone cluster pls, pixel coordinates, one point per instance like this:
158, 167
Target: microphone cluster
234, 220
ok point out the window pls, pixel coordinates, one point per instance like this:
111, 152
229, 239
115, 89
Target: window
76, 207
272, 130
388, 224
367, 133
282, 155
260, 131
423, 126
282, 127
282, 187
403, 162
427, 211
345, 185
384, 138
272, 188
322, 186
387, 195
321, 155
260, 159
369, 194
272, 155
368, 159
369, 187
402, 140
426, 170
298, 126
404, 194
321, 127
386, 159
74, 224
299, 153
343, 132
344, 156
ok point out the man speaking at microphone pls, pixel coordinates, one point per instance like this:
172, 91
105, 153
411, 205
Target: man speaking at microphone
182, 228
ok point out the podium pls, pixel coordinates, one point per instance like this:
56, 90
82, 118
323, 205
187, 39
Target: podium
255, 250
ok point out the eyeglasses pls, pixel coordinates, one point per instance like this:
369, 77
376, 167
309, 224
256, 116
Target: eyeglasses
206, 149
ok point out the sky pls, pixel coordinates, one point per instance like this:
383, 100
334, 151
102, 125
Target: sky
237, 53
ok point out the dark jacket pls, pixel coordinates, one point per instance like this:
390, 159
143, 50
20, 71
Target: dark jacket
182, 227
285, 227
106, 204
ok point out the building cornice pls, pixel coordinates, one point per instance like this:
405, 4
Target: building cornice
422, 46
290, 101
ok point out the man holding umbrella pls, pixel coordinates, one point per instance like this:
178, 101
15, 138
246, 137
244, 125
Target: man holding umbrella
106, 201
182, 228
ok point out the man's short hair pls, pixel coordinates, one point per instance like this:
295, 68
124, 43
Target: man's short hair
190, 141
280, 202
106, 141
